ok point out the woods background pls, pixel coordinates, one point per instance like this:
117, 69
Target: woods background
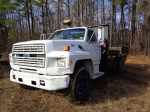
129, 20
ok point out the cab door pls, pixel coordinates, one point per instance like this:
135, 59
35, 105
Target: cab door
92, 47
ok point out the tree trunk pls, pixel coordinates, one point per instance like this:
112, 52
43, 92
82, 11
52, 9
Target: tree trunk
103, 12
133, 21
28, 18
78, 13
32, 19
114, 22
122, 23
43, 19
111, 26
68, 5
46, 21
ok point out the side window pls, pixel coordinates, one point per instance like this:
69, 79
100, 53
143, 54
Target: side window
91, 36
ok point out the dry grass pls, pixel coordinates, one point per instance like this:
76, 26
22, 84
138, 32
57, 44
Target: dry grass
109, 93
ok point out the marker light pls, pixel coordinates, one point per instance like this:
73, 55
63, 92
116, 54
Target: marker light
71, 61
66, 48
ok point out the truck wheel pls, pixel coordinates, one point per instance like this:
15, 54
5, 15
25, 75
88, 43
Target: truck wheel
120, 65
80, 85
112, 65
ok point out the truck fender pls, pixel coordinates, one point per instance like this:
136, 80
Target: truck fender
87, 63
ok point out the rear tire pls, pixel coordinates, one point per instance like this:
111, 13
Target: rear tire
80, 85
112, 65
120, 65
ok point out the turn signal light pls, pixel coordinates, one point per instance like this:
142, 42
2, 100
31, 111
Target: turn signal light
66, 48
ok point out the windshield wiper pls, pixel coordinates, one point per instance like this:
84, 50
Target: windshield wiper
65, 38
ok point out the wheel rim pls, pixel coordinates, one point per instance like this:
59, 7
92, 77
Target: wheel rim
83, 84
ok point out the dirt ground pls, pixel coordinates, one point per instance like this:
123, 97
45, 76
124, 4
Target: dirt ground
109, 93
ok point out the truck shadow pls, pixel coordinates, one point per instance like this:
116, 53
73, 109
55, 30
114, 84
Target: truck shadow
133, 82
111, 86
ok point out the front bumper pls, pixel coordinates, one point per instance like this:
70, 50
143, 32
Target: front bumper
40, 81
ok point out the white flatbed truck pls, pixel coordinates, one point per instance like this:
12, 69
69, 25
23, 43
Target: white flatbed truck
69, 57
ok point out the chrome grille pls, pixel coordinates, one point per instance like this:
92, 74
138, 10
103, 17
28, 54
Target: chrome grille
30, 61
29, 49
29, 55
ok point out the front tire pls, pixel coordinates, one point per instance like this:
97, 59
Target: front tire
80, 85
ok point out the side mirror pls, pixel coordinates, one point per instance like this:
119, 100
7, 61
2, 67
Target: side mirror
103, 43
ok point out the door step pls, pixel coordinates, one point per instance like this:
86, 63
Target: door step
98, 74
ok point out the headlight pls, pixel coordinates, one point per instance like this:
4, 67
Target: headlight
61, 62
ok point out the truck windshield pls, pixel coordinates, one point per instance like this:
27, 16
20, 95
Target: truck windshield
77, 34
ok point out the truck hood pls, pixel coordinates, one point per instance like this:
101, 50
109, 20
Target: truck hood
57, 45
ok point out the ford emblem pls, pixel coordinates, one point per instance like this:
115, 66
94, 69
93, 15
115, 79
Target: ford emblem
25, 55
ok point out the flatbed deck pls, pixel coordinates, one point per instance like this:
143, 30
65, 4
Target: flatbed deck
117, 52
